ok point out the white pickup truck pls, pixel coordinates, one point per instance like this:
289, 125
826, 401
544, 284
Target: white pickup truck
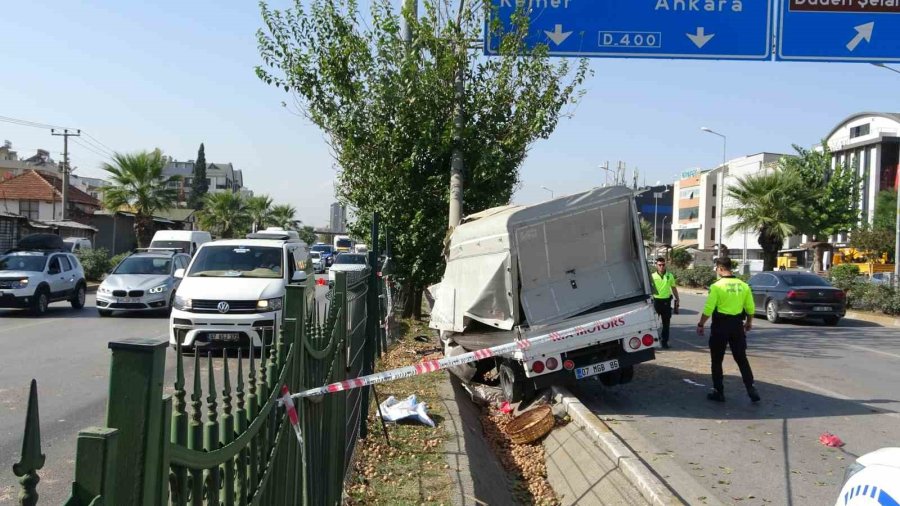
574, 263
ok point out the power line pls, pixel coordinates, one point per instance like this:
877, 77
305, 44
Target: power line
32, 124
111, 150
96, 147
91, 149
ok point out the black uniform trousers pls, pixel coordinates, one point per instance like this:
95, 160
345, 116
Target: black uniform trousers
728, 330
663, 308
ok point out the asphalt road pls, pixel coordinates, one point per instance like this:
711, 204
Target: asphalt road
812, 378
66, 352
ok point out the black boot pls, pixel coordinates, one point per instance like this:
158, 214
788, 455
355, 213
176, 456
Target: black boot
716, 395
754, 395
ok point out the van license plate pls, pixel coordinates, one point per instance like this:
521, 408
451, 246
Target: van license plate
228, 337
821, 308
595, 369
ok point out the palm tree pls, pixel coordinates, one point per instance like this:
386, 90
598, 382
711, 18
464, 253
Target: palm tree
259, 210
138, 185
224, 214
764, 205
283, 216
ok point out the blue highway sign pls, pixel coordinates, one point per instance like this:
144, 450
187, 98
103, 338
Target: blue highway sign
839, 30
703, 29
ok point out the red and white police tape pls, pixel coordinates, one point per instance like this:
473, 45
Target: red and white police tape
444, 363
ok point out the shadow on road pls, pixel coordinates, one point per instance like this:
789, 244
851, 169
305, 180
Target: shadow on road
686, 398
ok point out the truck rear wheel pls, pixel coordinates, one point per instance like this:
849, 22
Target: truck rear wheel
515, 386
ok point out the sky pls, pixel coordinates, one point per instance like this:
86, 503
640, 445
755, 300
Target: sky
172, 74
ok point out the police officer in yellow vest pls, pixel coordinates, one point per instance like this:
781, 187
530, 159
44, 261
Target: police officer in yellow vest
664, 282
730, 304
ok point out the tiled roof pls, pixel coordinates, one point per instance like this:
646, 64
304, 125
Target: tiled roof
33, 185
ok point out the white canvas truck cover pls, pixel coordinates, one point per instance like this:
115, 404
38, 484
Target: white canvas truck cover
560, 258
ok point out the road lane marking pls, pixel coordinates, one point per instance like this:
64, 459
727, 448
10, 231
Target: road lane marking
832, 393
870, 350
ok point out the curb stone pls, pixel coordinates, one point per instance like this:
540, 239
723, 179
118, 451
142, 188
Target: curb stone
635, 470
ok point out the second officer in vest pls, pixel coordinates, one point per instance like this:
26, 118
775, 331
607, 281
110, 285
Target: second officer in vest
664, 282
730, 304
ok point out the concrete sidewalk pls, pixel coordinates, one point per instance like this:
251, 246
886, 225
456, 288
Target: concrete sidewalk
577, 469
582, 474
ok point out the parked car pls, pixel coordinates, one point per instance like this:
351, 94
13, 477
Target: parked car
39, 272
143, 281
872, 479
76, 244
796, 295
186, 240
317, 261
347, 262
233, 291
879, 278
327, 252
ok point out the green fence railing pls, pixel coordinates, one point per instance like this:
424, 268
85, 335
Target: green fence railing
230, 443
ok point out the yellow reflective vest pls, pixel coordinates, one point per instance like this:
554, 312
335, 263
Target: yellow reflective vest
730, 296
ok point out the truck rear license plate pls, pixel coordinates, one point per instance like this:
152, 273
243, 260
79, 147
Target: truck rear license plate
821, 308
224, 336
595, 369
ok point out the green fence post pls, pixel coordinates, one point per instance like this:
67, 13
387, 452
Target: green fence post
95, 465
32, 458
136, 408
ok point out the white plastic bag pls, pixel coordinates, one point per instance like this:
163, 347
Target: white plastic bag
394, 410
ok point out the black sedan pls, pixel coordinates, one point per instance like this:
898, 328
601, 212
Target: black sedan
795, 295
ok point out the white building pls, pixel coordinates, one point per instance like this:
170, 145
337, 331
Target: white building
871, 142
696, 209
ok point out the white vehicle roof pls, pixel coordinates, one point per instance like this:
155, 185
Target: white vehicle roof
273, 243
175, 235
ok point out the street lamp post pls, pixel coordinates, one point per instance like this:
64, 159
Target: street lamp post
656, 197
721, 182
549, 190
663, 238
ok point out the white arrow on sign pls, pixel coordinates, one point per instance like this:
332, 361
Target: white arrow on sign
558, 36
863, 32
700, 38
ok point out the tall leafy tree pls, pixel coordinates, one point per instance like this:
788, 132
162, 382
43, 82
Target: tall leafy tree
224, 214
885, 210
766, 206
259, 211
829, 196
199, 188
387, 109
885, 218
137, 184
283, 215
308, 234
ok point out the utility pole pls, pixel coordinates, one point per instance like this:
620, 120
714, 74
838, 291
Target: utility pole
65, 168
456, 164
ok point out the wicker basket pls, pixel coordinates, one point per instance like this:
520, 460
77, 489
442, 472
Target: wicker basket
531, 425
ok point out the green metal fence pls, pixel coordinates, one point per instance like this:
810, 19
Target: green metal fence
230, 443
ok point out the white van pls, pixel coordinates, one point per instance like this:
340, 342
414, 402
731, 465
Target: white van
232, 292
186, 240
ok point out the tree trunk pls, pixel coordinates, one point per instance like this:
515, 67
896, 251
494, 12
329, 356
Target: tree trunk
770, 246
405, 300
143, 230
819, 256
410, 299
